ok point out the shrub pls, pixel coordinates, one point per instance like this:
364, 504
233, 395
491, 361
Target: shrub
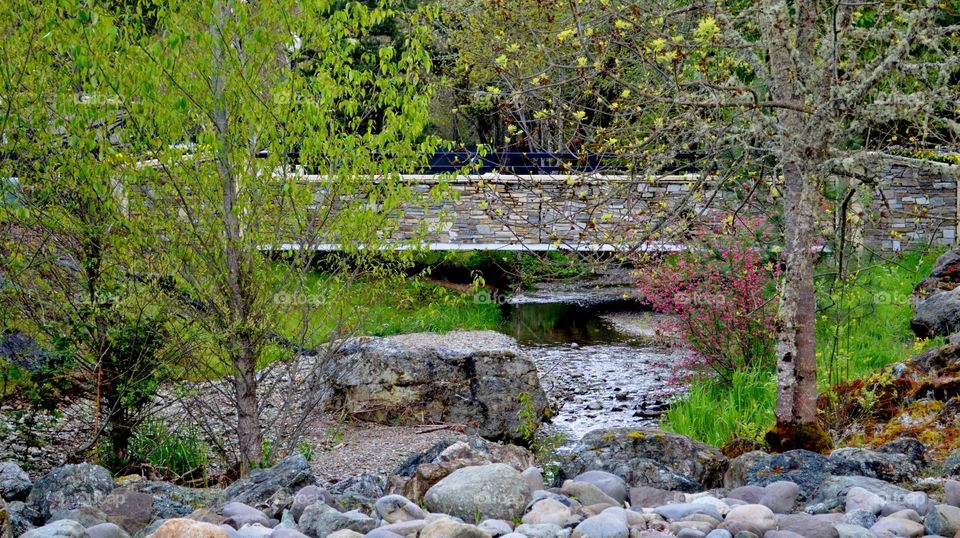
176, 455
718, 292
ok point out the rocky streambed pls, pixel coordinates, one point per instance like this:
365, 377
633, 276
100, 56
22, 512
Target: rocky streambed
615, 483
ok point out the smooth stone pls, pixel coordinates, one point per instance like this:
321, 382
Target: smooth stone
259, 531
609, 483
397, 508
538, 530
951, 492
891, 508
534, 478
720, 506
780, 497
381, 533
748, 494
492, 491
345, 533
719, 533
782, 534
560, 498
238, 515
448, 528
943, 520
690, 532
680, 511
602, 526
87, 516
745, 534
107, 530
755, 518
912, 515
496, 527
845, 530
917, 501
861, 518
307, 496
891, 526
703, 518
283, 532
700, 526
320, 519
63, 528
811, 526
650, 497
547, 511
180, 527
405, 528
587, 493
861, 499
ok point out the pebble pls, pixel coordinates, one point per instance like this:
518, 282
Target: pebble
754, 518
861, 499
780, 496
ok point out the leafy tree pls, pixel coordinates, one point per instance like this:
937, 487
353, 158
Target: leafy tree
814, 89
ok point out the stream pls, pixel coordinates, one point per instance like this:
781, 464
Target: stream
598, 362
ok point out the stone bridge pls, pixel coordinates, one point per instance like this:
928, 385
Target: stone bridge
907, 207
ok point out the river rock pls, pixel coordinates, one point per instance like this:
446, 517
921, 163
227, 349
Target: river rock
131, 509
307, 496
238, 515
547, 511
605, 525
951, 492
68, 487
893, 526
914, 451
943, 520
587, 494
319, 520
466, 377
359, 491
858, 498
891, 466
171, 501
739, 468
63, 528
648, 497
754, 518
396, 508
496, 527
289, 533
674, 512
494, 491
780, 496
15, 483
648, 458
290, 474
833, 490
538, 530
609, 483
845, 530
534, 478
806, 469
448, 528
811, 526
107, 530
181, 527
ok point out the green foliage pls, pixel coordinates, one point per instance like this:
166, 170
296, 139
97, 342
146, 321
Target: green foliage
176, 455
543, 446
717, 413
873, 331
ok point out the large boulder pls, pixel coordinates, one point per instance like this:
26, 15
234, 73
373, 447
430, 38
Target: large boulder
15, 483
290, 475
494, 491
466, 377
130, 509
69, 487
802, 467
171, 501
421, 471
648, 458
937, 315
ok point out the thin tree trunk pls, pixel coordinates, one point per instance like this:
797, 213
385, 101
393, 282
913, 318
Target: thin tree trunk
796, 410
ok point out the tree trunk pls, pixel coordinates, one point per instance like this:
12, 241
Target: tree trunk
796, 410
249, 434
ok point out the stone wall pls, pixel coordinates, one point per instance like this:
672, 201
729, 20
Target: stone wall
907, 208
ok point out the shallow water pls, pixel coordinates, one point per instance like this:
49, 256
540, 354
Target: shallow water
597, 361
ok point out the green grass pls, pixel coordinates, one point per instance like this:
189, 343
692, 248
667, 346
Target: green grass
860, 328
715, 413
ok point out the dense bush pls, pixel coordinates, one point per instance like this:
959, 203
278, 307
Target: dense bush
719, 293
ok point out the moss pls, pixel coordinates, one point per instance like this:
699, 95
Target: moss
799, 435
636, 435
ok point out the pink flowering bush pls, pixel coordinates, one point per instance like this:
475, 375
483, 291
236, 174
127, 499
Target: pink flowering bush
719, 294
